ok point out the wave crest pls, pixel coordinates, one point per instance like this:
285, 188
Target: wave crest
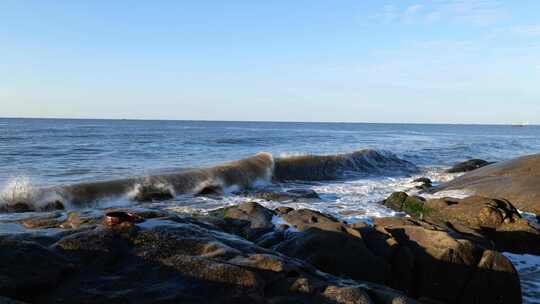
20, 195
330, 167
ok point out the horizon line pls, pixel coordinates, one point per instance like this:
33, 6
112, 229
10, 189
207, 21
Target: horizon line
273, 121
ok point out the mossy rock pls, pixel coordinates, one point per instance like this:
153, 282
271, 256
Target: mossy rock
412, 205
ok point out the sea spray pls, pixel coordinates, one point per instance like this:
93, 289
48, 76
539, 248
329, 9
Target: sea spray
20, 195
18, 190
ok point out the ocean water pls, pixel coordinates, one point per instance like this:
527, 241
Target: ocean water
56, 153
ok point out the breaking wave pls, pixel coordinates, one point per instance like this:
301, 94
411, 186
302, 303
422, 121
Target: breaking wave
331, 167
20, 195
232, 176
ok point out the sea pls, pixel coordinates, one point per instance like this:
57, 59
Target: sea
37, 154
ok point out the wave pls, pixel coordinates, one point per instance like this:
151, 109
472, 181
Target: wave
232, 176
331, 167
20, 195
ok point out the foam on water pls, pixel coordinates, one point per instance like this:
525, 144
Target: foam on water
18, 189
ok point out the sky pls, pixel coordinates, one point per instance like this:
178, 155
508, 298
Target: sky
454, 61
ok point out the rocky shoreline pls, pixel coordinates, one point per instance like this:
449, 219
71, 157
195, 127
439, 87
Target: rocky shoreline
446, 251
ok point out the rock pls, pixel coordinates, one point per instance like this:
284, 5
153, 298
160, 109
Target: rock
179, 259
468, 165
79, 219
515, 180
5, 300
303, 219
114, 218
483, 219
304, 193
347, 295
445, 266
337, 253
28, 268
283, 210
440, 203
292, 195
495, 271
249, 219
49, 220
173, 262
389, 296
16, 207
412, 205
425, 183
495, 219
211, 190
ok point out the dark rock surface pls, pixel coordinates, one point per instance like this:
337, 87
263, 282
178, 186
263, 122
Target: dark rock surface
249, 254
516, 180
468, 165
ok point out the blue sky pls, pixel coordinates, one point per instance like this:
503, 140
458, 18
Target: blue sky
455, 61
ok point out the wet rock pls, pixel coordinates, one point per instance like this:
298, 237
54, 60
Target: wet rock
49, 220
468, 165
304, 193
28, 268
5, 300
425, 183
444, 264
16, 207
114, 218
515, 180
496, 272
78, 219
249, 220
292, 195
412, 205
283, 210
482, 219
303, 219
179, 259
495, 219
347, 295
211, 190
337, 253
271, 238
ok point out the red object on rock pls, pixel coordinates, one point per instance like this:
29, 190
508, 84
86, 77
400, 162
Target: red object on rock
114, 218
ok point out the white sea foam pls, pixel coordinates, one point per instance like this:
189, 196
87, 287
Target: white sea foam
161, 186
20, 190
17, 190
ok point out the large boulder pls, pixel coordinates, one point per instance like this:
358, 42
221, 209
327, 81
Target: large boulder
331, 246
27, 268
516, 180
496, 219
429, 262
249, 220
484, 220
